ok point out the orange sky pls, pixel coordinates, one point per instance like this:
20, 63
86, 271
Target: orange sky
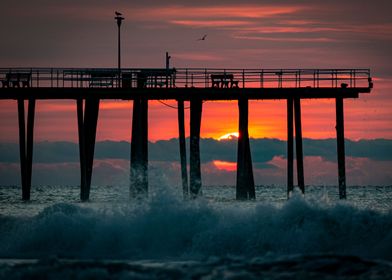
56, 120
253, 34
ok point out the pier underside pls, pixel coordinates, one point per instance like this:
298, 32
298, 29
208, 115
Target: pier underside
186, 94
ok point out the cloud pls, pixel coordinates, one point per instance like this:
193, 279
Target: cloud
263, 150
56, 163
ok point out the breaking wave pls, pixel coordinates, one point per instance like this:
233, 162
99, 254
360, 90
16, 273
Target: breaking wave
167, 228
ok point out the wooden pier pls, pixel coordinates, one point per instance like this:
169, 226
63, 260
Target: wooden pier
88, 86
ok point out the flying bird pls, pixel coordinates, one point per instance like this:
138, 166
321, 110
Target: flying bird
202, 38
118, 14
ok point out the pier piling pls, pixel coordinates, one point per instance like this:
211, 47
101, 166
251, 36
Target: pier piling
290, 146
196, 106
245, 187
26, 144
340, 147
298, 144
182, 144
87, 127
139, 149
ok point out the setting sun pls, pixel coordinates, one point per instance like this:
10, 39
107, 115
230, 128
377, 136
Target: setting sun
229, 136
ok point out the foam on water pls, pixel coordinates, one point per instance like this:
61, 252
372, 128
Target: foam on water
167, 228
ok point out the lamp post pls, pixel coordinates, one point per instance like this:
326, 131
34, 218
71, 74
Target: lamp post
119, 20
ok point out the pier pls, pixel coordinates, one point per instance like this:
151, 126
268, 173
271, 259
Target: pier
87, 86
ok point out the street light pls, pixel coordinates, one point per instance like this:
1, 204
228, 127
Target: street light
119, 20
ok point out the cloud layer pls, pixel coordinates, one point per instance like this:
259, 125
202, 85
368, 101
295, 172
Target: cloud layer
263, 150
56, 163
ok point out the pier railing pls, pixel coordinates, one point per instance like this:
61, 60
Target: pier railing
184, 78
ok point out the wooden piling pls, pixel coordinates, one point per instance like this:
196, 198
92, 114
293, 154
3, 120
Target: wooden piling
139, 149
290, 147
340, 147
196, 106
82, 149
181, 140
30, 142
87, 115
26, 145
245, 187
298, 144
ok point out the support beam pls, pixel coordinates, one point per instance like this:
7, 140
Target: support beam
26, 145
245, 188
139, 149
290, 146
87, 128
195, 124
30, 142
340, 147
298, 144
181, 139
82, 149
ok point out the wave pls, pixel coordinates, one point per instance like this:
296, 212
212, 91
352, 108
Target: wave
168, 228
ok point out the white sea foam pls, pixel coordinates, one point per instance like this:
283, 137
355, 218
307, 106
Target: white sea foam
167, 228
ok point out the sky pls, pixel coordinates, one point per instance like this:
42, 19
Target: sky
240, 34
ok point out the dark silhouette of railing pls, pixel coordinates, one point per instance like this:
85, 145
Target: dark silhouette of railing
185, 78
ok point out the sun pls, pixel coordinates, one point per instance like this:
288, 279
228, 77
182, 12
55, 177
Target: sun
229, 136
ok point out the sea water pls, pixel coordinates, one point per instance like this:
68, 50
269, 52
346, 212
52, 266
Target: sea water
311, 236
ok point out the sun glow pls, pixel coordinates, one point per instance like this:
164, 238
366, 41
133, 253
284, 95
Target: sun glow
229, 136
225, 165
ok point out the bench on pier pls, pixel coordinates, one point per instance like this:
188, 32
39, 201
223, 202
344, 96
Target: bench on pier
156, 78
223, 81
17, 80
102, 78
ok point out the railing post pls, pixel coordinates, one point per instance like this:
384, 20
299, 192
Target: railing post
186, 77
51, 77
206, 78
243, 78
262, 78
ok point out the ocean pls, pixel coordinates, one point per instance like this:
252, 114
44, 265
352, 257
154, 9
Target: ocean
311, 236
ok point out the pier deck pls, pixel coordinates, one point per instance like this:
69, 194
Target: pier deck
90, 85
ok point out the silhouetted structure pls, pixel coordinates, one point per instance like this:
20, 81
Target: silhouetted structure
89, 86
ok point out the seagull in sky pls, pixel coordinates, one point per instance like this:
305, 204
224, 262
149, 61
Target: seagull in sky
202, 38
118, 14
